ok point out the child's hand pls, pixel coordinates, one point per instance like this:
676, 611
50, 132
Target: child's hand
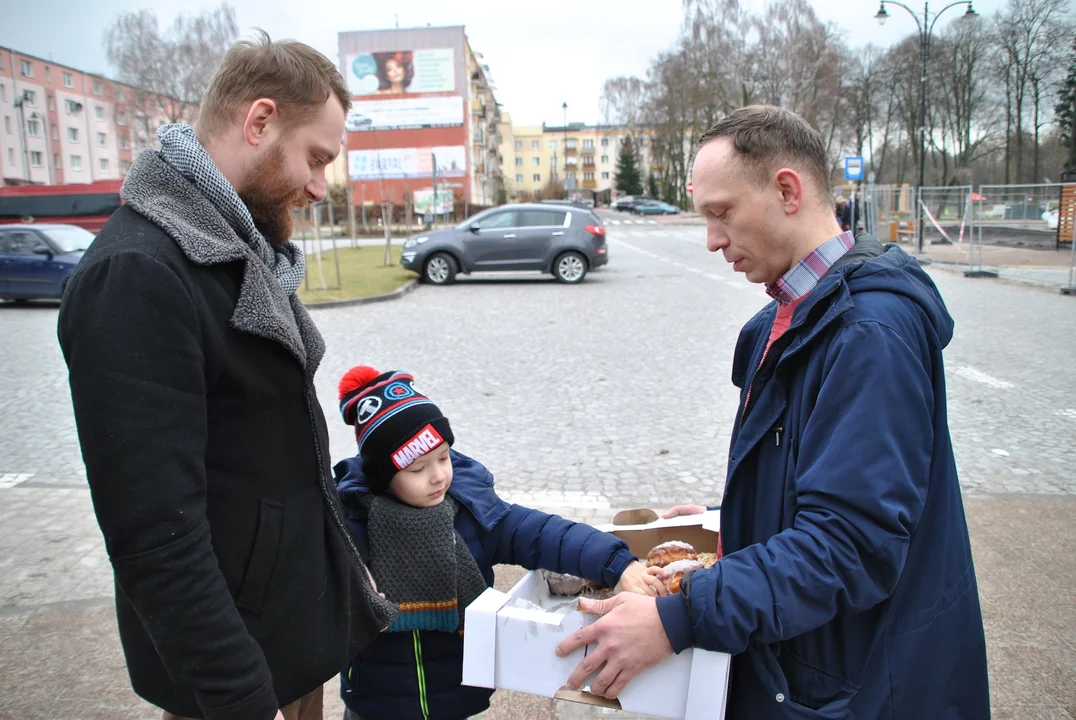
638, 578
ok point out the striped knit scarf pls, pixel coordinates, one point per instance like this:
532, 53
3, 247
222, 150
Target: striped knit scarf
421, 563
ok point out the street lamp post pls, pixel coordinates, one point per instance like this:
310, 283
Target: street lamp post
564, 107
926, 27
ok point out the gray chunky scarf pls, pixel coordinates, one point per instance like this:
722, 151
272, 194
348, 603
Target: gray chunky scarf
421, 563
180, 149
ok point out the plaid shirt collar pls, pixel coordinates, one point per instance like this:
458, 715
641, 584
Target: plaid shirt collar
804, 275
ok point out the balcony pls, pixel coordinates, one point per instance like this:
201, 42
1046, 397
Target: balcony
588, 184
570, 150
588, 161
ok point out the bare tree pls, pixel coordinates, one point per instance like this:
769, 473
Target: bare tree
169, 70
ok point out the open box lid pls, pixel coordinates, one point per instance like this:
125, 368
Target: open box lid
701, 531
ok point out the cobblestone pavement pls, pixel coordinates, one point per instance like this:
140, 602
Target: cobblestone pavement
581, 399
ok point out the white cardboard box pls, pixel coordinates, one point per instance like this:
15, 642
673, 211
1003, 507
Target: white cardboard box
513, 648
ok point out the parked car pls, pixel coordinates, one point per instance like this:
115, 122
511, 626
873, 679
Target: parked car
356, 121
564, 240
37, 260
655, 207
628, 202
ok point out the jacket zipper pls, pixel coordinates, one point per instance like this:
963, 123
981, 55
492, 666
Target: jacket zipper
423, 705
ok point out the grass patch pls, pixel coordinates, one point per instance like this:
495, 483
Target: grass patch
362, 274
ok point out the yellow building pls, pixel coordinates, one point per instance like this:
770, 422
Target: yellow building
581, 157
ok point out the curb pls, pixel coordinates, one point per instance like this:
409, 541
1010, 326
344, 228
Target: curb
962, 269
394, 295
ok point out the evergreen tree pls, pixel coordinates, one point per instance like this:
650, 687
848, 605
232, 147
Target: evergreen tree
652, 186
628, 181
1066, 105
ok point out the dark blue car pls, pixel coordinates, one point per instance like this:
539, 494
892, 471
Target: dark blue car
36, 260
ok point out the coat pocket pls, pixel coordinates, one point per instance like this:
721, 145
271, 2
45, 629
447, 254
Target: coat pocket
263, 557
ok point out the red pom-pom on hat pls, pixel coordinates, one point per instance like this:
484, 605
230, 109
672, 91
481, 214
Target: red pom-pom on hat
356, 378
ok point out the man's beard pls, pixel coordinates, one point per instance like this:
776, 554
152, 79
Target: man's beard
271, 197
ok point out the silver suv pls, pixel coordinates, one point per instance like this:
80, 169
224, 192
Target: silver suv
565, 240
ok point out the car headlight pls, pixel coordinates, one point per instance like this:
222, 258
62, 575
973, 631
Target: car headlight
413, 242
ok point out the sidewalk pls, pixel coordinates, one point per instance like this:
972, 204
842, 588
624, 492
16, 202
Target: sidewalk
1046, 268
62, 658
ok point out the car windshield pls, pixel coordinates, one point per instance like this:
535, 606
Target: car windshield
70, 239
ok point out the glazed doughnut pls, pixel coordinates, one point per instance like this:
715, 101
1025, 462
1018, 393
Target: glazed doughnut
673, 573
670, 552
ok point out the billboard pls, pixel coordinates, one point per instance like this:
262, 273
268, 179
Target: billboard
396, 163
405, 113
424, 201
401, 72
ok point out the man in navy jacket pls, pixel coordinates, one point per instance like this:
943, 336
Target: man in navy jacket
846, 587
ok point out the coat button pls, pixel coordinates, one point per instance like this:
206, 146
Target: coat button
780, 697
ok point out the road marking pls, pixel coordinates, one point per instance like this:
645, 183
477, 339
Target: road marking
10, 480
999, 451
970, 373
555, 498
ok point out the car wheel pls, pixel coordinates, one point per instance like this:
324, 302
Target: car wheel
440, 269
571, 268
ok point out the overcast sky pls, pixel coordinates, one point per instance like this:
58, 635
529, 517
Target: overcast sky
540, 56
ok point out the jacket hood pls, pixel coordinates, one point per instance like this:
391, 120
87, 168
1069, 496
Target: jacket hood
472, 487
871, 267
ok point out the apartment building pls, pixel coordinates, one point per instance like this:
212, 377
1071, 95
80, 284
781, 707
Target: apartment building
423, 105
59, 125
581, 157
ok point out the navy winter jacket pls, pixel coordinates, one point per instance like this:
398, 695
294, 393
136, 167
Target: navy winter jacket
416, 676
847, 588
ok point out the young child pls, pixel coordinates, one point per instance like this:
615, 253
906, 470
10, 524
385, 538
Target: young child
431, 527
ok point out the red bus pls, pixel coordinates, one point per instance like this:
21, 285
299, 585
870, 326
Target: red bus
88, 206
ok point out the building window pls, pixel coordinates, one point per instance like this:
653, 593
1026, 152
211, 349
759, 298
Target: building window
121, 94
96, 87
536, 162
69, 80
52, 102
71, 107
48, 78
588, 144
605, 159
121, 118
142, 124
519, 178
25, 68
99, 112
569, 176
519, 144
3, 93
552, 144
570, 144
1, 61
124, 166
10, 156
104, 165
588, 176
72, 134
7, 124
30, 97
605, 142
33, 128
519, 162
535, 177
37, 159
605, 176
123, 143
56, 161
101, 139
54, 132
536, 145
76, 162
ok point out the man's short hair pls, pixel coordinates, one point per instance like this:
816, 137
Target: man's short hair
295, 76
767, 138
